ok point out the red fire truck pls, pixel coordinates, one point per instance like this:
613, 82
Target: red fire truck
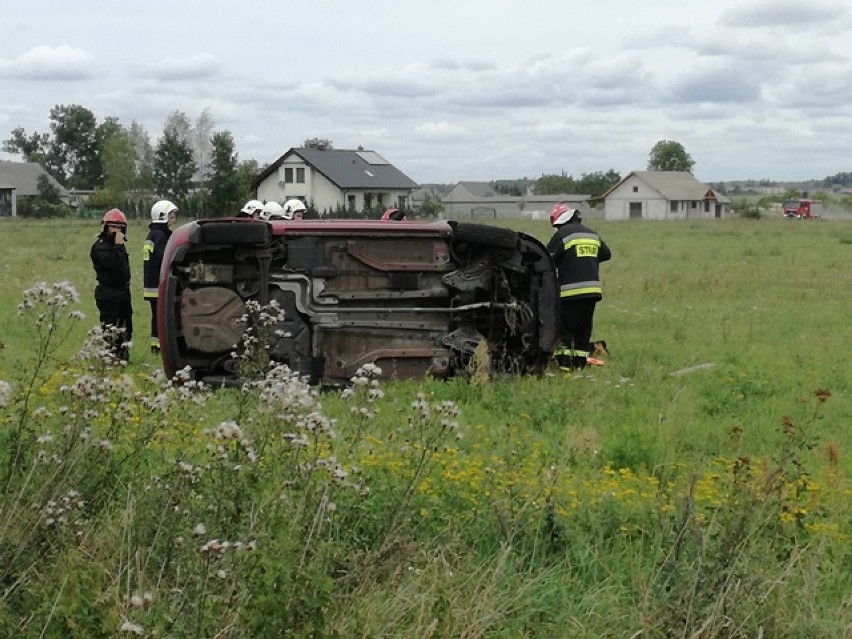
801, 209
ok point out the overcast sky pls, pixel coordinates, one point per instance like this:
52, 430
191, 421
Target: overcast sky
457, 90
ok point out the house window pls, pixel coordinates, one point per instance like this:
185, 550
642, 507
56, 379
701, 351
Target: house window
706, 206
288, 175
673, 206
636, 189
380, 198
350, 202
368, 201
636, 210
694, 204
300, 175
402, 202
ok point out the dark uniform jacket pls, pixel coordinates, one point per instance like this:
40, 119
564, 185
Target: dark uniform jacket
112, 270
152, 255
577, 250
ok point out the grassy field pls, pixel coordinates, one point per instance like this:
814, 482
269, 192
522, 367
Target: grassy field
695, 486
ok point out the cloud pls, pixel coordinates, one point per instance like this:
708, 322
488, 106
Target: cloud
717, 85
197, 67
441, 130
50, 64
773, 13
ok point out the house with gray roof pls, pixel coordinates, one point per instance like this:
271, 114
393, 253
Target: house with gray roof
663, 195
20, 179
479, 200
331, 179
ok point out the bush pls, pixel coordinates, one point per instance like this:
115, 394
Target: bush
37, 208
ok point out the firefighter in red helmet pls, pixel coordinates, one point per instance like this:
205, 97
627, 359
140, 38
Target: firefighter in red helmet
112, 292
577, 251
394, 215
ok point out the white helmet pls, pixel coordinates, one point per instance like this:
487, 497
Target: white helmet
291, 207
161, 210
251, 208
271, 211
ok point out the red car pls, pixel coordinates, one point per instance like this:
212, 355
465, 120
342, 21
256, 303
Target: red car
413, 298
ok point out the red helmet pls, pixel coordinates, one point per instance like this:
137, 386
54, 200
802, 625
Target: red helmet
396, 215
562, 214
114, 216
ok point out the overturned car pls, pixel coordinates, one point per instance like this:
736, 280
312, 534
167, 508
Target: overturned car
413, 298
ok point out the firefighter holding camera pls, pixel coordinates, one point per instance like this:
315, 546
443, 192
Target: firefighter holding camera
112, 292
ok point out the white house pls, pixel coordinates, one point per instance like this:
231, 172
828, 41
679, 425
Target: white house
663, 195
332, 179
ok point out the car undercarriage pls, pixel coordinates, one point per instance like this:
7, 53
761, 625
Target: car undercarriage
412, 298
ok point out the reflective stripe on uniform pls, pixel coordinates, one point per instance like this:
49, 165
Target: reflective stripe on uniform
147, 250
580, 288
150, 293
583, 244
570, 352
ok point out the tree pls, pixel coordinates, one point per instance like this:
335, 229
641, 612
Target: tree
552, 184
74, 150
321, 144
202, 148
224, 180
178, 124
247, 171
144, 157
598, 183
47, 190
173, 167
118, 157
431, 206
34, 147
668, 155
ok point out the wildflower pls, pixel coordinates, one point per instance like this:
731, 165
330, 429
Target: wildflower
5, 392
222, 574
129, 628
199, 530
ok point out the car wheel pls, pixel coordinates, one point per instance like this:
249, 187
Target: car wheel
493, 236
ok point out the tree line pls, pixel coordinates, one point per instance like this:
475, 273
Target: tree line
191, 164
198, 167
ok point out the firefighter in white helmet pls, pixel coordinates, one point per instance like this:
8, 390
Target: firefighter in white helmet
163, 214
576, 250
294, 209
251, 208
272, 210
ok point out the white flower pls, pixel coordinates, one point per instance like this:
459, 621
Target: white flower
5, 392
199, 530
129, 628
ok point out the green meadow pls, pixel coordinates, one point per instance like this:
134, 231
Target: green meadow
696, 485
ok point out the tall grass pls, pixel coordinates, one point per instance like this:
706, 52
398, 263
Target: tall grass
621, 502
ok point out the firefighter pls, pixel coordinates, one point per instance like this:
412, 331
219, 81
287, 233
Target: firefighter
294, 209
112, 292
577, 251
163, 214
394, 215
251, 209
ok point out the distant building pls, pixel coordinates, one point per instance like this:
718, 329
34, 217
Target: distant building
479, 200
663, 195
19, 180
332, 179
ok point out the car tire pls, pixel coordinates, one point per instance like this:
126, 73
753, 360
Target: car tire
493, 236
235, 233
